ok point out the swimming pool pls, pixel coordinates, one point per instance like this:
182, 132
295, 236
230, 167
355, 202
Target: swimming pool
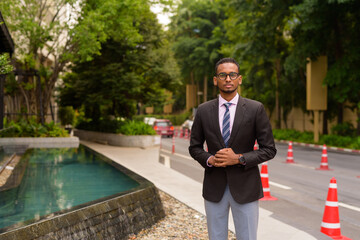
60, 180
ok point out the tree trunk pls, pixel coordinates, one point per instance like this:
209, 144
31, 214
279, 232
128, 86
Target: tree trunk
358, 123
197, 93
205, 88
340, 117
325, 123
277, 103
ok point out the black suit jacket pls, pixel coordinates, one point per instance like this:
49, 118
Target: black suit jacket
250, 123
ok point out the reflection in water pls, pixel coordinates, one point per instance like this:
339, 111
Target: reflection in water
57, 179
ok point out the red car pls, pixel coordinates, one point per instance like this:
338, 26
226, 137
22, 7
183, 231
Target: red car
163, 127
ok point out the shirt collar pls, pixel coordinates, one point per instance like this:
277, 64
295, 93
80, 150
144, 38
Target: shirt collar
233, 101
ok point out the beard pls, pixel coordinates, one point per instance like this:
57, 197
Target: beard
227, 91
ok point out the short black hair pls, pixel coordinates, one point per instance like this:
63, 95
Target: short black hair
226, 60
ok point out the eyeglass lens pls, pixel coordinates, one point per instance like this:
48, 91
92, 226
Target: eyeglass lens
232, 75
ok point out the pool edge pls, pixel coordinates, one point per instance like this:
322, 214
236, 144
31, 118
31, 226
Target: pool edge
111, 217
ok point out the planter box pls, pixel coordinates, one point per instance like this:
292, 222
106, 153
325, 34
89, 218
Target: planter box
142, 141
20, 144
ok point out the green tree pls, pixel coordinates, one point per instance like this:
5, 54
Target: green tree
50, 34
124, 74
331, 28
197, 27
257, 31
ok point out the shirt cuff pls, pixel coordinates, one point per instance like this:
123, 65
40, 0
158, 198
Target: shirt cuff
207, 162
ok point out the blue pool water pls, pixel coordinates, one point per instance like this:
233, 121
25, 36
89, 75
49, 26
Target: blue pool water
59, 179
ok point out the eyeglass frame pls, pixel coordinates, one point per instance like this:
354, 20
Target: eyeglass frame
226, 75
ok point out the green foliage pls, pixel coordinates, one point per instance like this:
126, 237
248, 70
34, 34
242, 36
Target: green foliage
77, 36
67, 115
126, 127
339, 21
351, 142
339, 141
198, 32
31, 128
5, 66
101, 125
293, 135
136, 128
344, 129
126, 72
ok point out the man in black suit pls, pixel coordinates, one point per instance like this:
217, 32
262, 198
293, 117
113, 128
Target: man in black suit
230, 125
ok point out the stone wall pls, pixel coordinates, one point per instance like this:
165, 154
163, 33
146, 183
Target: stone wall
301, 121
110, 219
20, 144
142, 141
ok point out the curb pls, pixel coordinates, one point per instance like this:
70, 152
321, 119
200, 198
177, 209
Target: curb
320, 147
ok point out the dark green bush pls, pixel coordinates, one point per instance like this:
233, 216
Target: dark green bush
136, 128
308, 137
344, 129
293, 135
67, 115
31, 128
103, 125
338, 141
127, 127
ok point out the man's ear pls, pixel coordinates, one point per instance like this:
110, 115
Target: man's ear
215, 81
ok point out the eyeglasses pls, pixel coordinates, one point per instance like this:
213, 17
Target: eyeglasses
232, 75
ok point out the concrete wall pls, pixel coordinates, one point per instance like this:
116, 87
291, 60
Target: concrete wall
301, 121
110, 219
118, 139
20, 144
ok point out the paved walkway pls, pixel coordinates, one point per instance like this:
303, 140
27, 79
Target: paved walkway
145, 162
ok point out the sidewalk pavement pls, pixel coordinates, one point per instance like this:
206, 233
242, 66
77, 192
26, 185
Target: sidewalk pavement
145, 162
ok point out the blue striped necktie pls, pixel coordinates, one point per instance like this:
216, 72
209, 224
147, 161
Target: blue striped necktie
226, 124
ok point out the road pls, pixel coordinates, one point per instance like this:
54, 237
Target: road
300, 188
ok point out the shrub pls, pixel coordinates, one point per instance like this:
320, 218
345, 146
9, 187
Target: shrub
136, 128
67, 115
293, 135
31, 128
308, 137
343, 129
103, 125
128, 127
335, 140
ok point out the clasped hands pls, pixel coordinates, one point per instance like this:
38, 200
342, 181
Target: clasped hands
224, 157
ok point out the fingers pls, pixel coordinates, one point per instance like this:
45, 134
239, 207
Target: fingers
219, 162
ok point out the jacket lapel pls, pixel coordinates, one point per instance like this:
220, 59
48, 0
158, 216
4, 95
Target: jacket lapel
215, 122
239, 117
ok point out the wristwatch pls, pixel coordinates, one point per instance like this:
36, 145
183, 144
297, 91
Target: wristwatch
242, 160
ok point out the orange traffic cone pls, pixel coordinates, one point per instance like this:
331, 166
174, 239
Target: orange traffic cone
330, 224
290, 156
173, 144
256, 146
324, 160
265, 183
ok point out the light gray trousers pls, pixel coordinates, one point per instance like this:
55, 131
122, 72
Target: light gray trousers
246, 217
